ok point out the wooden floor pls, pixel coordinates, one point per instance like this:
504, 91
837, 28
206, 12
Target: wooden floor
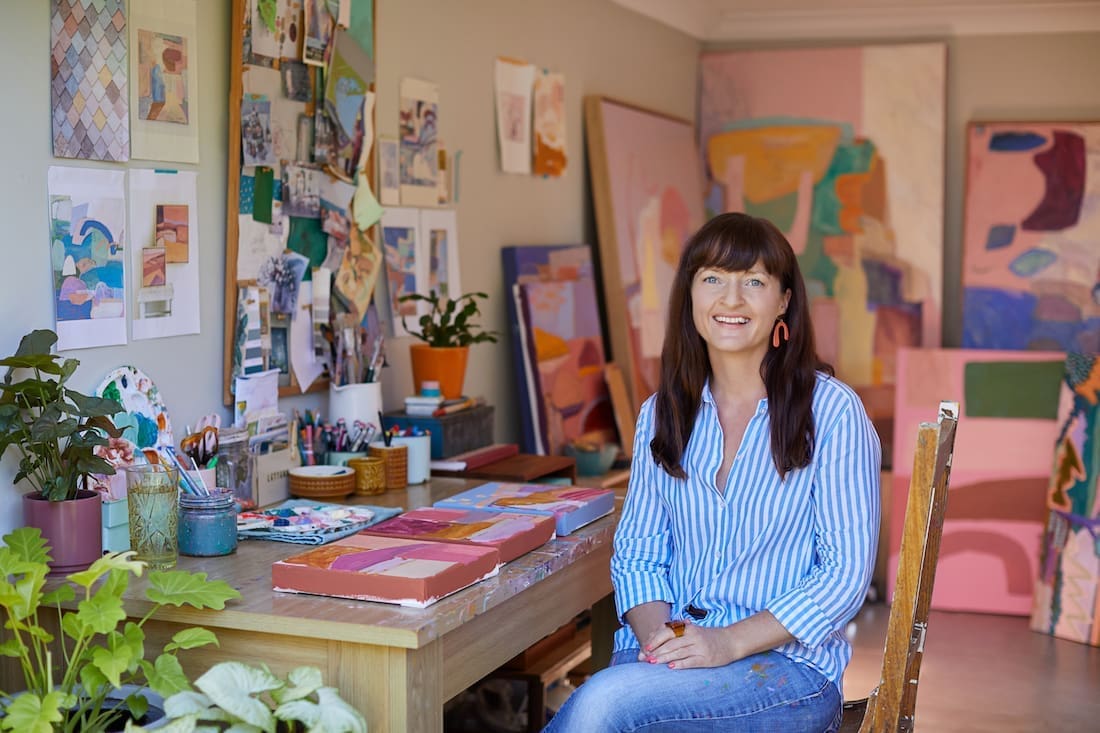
987, 673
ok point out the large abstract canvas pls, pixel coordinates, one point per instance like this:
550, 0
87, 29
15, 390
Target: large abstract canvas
1030, 254
996, 508
1067, 601
510, 534
88, 90
843, 149
571, 506
648, 188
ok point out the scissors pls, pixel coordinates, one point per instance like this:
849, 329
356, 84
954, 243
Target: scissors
202, 445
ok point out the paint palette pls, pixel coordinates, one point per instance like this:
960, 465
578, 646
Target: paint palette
144, 419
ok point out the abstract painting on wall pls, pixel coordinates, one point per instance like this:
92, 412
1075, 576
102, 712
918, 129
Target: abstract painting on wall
648, 188
1030, 255
996, 508
173, 225
418, 125
88, 90
404, 264
1067, 601
548, 120
843, 149
87, 254
439, 237
162, 77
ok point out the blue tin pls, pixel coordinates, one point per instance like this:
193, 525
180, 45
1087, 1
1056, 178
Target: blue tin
208, 524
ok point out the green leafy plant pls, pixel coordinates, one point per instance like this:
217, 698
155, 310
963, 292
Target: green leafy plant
245, 698
67, 681
54, 428
450, 322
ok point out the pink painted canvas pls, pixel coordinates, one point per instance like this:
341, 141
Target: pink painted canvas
996, 508
1067, 591
648, 187
511, 534
843, 149
1030, 255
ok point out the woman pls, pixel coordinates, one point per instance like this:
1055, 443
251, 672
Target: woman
752, 513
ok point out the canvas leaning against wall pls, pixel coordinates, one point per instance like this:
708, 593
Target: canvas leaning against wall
996, 509
648, 189
1030, 255
843, 149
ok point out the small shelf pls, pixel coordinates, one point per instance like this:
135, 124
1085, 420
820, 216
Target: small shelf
558, 662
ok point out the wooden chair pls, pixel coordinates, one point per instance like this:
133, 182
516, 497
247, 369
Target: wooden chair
890, 706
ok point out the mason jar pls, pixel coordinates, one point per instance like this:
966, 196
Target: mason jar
207, 524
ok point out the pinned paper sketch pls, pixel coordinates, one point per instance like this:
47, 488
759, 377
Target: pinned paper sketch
281, 276
163, 219
302, 191
87, 253
256, 143
272, 31
318, 32
88, 93
439, 229
419, 164
297, 84
248, 357
164, 81
549, 125
404, 263
162, 77
335, 207
358, 273
514, 80
389, 175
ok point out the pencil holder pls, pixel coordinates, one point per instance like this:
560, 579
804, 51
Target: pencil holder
370, 474
396, 459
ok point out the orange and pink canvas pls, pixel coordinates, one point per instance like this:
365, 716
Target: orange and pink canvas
996, 507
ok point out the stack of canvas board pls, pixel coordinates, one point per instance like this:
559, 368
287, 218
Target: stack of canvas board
388, 569
571, 506
511, 534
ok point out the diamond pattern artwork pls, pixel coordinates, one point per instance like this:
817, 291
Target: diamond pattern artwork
88, 93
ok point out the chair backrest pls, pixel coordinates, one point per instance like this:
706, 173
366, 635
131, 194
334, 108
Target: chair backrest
890, 707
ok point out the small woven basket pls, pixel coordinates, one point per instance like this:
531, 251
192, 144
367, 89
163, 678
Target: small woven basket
396, 458
321, 482
370, 474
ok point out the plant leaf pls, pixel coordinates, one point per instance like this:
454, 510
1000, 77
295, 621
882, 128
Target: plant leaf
60, 594
231, 686
191, 638
114, 658
190, 703
101, 612
30, 713
303, 682
330, 714
166, 676
26, 543
179, 587
123, 561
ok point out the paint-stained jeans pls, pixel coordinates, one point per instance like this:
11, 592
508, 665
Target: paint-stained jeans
764, 693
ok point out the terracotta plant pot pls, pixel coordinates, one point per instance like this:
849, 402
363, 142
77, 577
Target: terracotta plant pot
446, 365
73, 528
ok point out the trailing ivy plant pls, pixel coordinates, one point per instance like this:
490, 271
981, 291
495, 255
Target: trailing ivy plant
66, 682
449, 322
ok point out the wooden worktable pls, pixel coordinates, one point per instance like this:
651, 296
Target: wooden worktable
397, 665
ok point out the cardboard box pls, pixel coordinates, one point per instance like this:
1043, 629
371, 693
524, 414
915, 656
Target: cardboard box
271, 476
451, 434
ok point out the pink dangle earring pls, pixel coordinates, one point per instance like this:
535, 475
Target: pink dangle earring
780, 327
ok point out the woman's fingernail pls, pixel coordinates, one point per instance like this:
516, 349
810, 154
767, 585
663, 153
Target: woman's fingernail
672, 665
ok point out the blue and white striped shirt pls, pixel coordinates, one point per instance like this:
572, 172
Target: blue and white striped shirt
802, 548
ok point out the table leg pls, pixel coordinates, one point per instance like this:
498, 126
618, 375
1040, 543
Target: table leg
396, 689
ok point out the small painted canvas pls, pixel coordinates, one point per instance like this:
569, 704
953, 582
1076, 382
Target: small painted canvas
1067, 592
418, 128
152, 267
301, 191
571, 506
511, 534
1030, 259
172, 231
386, 569
996, 508
549, 123
257, 147
162, 77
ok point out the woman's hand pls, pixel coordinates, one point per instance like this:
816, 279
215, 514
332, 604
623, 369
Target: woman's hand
699, 646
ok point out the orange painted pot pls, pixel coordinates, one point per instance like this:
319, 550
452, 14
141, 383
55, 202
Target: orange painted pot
446, 365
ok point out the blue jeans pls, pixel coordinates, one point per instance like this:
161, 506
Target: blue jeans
764, 693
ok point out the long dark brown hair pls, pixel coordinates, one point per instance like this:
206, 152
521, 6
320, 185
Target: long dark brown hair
735, 242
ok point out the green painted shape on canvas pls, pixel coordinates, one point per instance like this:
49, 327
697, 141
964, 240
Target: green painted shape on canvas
1013, 389
309, 240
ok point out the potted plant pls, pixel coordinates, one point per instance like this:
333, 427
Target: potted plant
55, 430
242, 697
95, 671
447, 330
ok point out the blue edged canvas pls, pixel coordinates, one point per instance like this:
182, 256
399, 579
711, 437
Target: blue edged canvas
571, 506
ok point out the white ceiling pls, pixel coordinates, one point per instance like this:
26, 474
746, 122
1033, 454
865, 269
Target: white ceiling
745, 20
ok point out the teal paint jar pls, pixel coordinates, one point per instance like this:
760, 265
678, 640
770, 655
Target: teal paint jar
207, 524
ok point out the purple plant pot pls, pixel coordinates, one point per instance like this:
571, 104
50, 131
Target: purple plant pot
73, 529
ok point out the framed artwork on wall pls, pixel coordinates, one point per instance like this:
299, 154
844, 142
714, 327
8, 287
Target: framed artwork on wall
1032, 223
647, 183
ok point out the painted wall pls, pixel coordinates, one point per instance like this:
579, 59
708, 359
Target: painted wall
600, 47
